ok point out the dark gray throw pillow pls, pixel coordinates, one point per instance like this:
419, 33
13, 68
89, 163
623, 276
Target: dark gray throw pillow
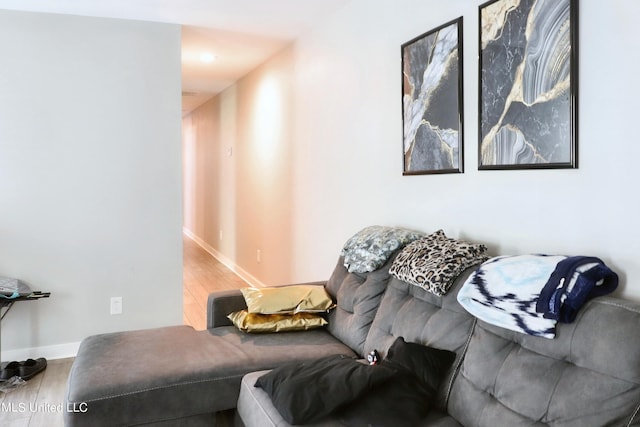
406, 399
305, 392
428, 364
401, 402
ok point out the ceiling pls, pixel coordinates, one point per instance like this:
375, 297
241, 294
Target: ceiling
239, 34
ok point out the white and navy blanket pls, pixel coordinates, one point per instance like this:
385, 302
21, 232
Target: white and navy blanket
531, 293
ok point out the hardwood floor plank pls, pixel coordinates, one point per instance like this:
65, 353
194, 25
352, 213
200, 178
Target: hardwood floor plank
40, 401
17, 403
202, 275
22, 422
49, 405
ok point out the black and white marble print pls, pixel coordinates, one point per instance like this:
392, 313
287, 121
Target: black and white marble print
431, 102
525, 103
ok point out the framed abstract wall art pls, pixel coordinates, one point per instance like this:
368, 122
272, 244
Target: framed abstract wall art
432, 108
528, 75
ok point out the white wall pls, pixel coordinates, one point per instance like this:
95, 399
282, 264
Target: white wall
237, 150
346, 163
90, 177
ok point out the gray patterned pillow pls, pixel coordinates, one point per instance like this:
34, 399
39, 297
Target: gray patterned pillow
434, 262
371, 247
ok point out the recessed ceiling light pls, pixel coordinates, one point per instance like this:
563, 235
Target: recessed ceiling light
207, 58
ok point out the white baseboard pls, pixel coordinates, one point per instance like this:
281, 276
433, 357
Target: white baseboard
49, 352
230, 264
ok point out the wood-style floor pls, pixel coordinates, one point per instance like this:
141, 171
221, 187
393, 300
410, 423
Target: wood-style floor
39, 402
203, 274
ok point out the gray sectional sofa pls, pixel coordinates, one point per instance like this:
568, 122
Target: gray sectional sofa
588, 375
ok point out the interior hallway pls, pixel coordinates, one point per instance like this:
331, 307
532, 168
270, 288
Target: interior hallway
202, 275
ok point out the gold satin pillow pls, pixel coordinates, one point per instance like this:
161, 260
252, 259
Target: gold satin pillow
287, 299
251, 322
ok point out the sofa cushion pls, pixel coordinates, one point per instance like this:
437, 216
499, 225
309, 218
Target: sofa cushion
434, 261
287, 299
426, 363
357, 298
370, 248
421, 317
589, 375
402, 400
256, 409
262, 323
154, 375
305, 392
407, 398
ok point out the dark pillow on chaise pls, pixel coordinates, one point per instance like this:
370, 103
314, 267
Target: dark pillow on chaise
305, 392
406, 399
428, 364
396, 392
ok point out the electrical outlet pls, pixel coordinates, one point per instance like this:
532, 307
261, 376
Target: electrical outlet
116, 305
259, 256
220, 235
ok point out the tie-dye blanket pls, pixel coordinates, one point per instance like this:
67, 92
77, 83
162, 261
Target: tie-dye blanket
530, 293
504, 290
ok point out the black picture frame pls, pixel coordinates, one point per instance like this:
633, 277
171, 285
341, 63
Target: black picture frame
432, 101
528, 84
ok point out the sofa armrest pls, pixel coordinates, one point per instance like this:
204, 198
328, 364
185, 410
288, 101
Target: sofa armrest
220, 304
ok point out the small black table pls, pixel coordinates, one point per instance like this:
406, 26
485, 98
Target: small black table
7, 303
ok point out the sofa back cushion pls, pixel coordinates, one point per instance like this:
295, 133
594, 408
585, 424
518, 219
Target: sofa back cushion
357, 297
589, 375
419, 316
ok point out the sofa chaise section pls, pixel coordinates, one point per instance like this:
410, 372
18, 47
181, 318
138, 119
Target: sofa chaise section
157, 375
179, 376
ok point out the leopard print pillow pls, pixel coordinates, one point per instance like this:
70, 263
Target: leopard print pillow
434, 262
